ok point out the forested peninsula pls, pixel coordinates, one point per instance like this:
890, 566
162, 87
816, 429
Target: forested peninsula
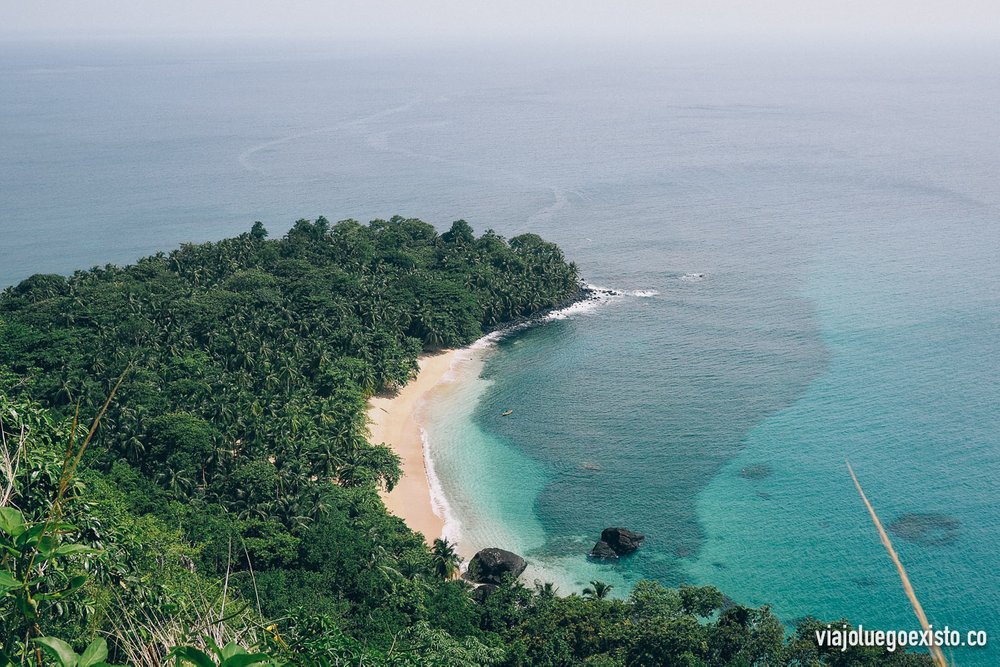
186, 476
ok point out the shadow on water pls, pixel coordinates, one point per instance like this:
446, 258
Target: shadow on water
633, 411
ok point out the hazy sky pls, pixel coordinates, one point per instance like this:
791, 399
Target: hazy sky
432, 19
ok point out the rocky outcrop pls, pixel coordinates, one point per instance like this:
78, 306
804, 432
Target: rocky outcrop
603, 551
490, 565
622, 540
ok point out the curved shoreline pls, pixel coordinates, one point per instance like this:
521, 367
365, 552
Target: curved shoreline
393, 420
396, 420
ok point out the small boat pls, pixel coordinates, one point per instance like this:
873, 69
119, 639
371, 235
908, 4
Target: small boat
506, 413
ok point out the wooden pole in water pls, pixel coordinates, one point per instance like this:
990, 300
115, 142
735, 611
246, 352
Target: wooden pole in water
936, 653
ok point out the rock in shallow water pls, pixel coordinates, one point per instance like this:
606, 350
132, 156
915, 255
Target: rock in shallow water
603, 551
622, 540
490, 565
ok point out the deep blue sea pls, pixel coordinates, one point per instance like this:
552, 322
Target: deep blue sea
807, 239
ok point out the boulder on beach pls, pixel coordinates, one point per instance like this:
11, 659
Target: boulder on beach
622, 540
603, 551
490, 565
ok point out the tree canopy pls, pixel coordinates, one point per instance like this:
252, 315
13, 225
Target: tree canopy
226, 510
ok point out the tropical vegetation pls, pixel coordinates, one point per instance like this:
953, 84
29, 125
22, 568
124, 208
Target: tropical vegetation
186, 476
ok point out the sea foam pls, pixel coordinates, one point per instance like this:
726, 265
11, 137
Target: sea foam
599, 297
439, 500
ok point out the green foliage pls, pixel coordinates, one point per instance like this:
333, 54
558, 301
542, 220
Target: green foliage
94, 655
36, 564
230, 655
241, 425
252, 358
653, 626
43, 525
227, 512
700, 600
446, 558
598, 590
180, 445
459, 234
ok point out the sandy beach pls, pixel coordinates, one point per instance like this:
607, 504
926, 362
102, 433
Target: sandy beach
393, 420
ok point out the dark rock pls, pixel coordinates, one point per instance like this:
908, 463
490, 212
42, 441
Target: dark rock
480, 593
490, 565
623, 541
603, 551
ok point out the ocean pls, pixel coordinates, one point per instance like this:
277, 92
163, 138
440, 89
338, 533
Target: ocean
804, 239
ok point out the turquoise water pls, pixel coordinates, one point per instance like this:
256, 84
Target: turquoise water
806, 240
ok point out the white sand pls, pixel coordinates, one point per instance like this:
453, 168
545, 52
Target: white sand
393, 420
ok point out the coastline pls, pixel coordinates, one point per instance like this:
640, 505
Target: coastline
397, 420
393, 420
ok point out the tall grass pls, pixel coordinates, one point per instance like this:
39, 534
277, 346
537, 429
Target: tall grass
145, 636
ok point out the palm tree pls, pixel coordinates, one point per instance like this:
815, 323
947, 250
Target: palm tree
446, 559
546, 591
178, 482
597, 590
